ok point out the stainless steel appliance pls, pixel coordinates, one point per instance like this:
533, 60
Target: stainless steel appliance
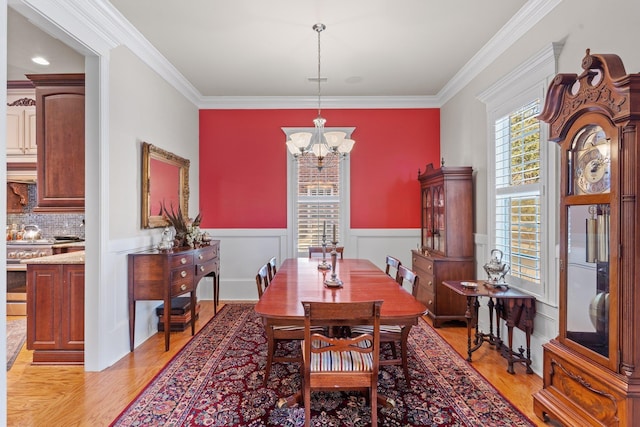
18, 250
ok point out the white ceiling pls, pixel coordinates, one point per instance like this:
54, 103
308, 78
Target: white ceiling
258, 48
25, 40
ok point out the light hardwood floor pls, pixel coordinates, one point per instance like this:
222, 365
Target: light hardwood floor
68, 396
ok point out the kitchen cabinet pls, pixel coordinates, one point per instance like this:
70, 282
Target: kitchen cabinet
21, 126
446, 249
55, 312
61, 141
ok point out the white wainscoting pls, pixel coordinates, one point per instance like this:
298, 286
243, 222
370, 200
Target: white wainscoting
244, 251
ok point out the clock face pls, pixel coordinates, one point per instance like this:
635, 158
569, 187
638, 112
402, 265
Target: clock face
592, 163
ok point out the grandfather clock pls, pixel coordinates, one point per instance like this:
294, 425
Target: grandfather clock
592, 369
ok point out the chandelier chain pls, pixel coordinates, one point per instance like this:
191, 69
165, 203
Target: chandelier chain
319, 28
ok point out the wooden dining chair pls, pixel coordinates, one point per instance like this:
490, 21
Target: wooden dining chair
392, 266
315, 250
341, 363
262, 279
271, 265
279, 333
393, 334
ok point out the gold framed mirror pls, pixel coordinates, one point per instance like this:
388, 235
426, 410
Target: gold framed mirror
165, 179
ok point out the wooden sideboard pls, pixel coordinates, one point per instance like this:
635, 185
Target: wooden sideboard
162, 275
443, 305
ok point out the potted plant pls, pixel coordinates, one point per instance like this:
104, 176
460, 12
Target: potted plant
187, 231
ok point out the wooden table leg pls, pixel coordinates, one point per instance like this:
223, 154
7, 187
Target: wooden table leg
216, 292
194, 302
499, 315
167, 319
469, 317
529, 312
510, 353
528, 359
132, 322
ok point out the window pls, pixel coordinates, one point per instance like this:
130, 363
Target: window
318, 202
518, 192
318, 199
522, 197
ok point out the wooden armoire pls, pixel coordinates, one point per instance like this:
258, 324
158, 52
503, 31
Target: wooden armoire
446, 247
592, 368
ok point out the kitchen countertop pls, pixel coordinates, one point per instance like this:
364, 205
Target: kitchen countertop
69, 245
76, 257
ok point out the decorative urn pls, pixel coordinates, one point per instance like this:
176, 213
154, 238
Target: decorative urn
166, 242
495, 268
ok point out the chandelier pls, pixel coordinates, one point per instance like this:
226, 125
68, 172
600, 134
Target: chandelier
319, 143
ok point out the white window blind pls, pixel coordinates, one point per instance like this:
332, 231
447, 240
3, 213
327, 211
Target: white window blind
518, 191
318, 202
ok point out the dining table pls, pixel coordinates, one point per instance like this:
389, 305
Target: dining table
300, 279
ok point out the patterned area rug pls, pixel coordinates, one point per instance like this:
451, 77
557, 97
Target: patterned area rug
16, 336
216, 380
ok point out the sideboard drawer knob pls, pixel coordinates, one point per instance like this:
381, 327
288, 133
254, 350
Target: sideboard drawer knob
183, 287
429, 267
183, 273
200, 256
202, 268
183, 260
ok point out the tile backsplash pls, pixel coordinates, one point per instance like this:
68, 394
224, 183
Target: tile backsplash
51, 224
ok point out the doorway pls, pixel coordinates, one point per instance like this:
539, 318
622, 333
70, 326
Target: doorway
78, 41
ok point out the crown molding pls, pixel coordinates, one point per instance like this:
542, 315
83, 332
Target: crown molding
528, 16
302, 102
537, 68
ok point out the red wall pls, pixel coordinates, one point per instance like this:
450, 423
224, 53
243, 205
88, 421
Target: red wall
243, 169
164, 190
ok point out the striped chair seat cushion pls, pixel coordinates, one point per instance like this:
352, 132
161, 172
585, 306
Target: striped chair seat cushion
384, 329
342, 360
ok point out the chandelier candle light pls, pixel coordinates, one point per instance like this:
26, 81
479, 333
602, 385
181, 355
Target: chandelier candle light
324, 265
319, 143
334, 282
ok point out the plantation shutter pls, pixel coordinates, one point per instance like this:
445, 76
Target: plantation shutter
518, 191
318, 202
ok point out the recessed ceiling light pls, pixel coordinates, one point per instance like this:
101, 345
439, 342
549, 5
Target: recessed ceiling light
40, 60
